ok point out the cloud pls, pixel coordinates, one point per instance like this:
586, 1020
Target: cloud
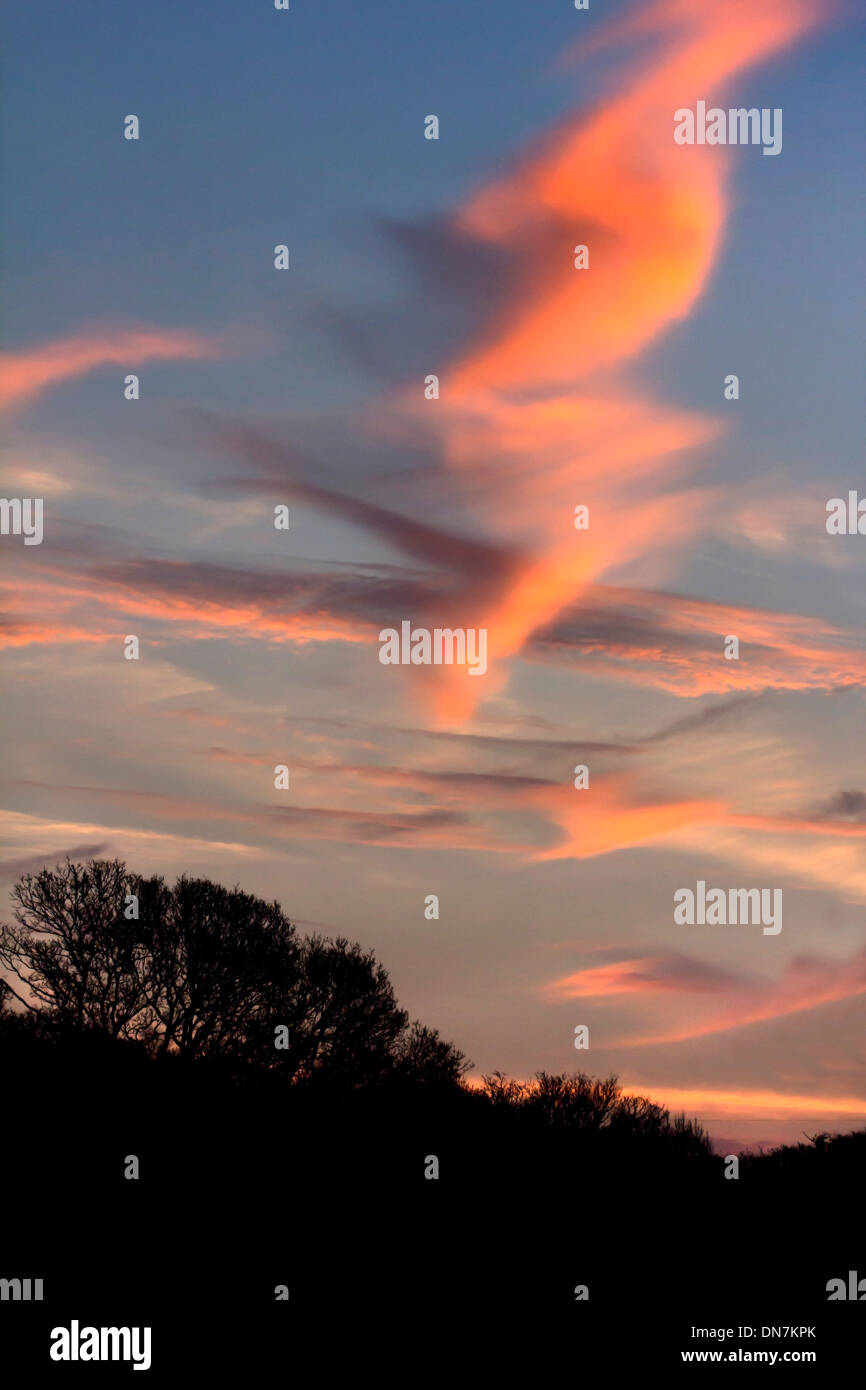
844, 806
698, 721
36, 838
802, 852
644, 975
615, 816
520, 396
727, 1001
538, 410
200, 599
668, 641
263, 825
33, 863
474, 560
23, 632
761, 1103
676, 643
26, 374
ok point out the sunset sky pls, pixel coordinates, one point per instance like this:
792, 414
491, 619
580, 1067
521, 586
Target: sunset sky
558, 387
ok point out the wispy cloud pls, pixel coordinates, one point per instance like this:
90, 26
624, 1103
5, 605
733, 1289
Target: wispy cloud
26, 373
726, 1000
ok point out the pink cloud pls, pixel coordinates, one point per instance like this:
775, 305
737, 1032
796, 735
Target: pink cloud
25, 374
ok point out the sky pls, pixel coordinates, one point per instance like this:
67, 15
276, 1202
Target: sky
601, 387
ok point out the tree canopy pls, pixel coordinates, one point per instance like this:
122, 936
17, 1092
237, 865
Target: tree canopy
199, 970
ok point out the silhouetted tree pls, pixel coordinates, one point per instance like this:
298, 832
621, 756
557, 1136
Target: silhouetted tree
689, 1137
215, 959
577, 1101
590, 1108
503, 1091
72, 949
199, 970
343, 1018
421, 1055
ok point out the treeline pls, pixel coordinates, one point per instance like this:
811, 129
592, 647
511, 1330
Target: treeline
188, 996
167, 1164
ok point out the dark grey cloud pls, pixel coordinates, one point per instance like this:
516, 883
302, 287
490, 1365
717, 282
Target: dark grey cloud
844, 806
14, 868
475, 561
613, 629
702, 719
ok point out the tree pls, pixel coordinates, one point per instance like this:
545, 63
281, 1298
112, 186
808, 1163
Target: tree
189, 974
421, 1055
216, 958
73, 951
576, 1101
199, 970
584, 1108
344, 1021
503, 1091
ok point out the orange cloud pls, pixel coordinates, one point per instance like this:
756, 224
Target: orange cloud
758, 1103
29, 634
807, 983
197, 618
641, 975
25, 374
524, 428
616, 178
606, 819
